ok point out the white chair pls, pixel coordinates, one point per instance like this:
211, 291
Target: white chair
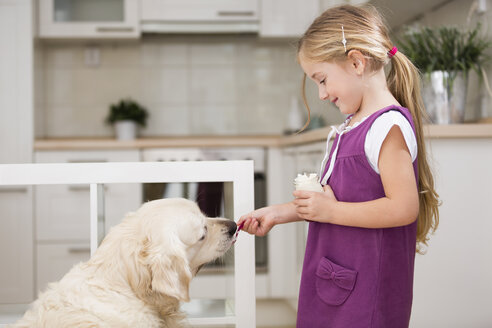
239, 199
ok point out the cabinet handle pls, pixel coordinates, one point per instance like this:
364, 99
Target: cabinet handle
107, 29
13, 189
78, 250
79, 188
95, 160
236, 13
82, 188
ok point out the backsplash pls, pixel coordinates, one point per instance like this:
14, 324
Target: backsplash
191, 85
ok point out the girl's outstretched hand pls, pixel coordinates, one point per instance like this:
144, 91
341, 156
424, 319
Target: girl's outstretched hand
315, 206
258, 222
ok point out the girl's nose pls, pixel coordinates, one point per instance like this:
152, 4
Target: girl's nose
323, 95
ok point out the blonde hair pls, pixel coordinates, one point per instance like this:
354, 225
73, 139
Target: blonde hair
365, 31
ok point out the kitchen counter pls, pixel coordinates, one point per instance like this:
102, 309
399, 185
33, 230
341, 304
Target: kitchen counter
431, 131
156, 142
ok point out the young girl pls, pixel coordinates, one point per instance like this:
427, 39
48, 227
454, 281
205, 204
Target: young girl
363, 231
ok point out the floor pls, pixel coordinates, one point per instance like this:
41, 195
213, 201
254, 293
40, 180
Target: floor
9, 319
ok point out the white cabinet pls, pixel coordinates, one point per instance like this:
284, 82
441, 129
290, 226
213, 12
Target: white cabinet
62, 212
309, 157
287, 18
453, 278
199, 10
99, 19
287, 242
16, 273
16, 58
55, 260
199, 16
16, 76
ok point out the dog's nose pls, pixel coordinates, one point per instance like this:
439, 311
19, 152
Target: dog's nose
231, 227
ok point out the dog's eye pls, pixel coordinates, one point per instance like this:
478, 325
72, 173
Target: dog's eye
204, 234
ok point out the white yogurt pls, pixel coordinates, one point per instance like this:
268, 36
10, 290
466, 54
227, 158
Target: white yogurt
308, 183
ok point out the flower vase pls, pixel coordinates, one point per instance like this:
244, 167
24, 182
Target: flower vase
126, 130
444, 96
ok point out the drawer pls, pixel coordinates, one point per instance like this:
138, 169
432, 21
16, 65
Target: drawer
55, 260
63, 211
92, 156
257, 154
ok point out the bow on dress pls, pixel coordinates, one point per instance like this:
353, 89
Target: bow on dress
340, 276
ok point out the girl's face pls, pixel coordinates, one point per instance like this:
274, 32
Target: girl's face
339, 83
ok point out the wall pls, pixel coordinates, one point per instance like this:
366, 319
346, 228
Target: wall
190, 85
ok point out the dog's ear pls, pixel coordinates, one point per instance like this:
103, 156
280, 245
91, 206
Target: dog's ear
170, 271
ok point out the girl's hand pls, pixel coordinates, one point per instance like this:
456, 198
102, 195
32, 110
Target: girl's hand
259, 222
315, 206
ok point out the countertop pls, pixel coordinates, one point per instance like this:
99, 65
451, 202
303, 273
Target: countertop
431, 131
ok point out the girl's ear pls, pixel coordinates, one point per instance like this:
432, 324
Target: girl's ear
357, 61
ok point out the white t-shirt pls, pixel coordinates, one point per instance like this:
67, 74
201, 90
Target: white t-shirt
378, 132
374, 139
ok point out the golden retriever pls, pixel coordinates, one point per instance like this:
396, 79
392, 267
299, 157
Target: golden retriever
139, 274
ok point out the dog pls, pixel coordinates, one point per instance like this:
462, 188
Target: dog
139, 274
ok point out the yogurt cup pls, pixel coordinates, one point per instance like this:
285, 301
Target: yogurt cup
308, 182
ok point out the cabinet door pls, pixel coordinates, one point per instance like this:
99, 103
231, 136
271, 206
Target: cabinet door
15, 82
62, 211
16, 273
55, 260
460, 251
112, 19
309, 158
16, 268
287, 242
287, 18
199, 10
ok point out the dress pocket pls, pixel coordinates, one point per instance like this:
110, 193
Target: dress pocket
334, 283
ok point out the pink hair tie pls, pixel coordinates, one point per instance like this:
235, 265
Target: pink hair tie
392, 52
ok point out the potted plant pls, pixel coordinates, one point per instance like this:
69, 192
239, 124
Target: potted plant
445, 55
125, 116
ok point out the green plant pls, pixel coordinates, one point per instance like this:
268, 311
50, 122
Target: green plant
127, 109
446, 49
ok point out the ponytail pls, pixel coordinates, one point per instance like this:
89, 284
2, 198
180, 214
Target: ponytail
404, 83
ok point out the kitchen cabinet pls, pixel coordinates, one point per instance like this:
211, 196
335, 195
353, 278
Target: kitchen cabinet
89, 19
57, 217
453, 277
62, 212
291, 18
287, 241
287, 18
16, 275
199, 10
16, 138
199, 16
54, 260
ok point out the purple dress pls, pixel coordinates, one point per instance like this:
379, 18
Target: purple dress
357, 277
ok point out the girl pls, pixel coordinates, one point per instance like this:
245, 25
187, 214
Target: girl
363, 231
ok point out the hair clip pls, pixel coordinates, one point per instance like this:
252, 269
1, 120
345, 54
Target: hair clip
392, 52
344, 41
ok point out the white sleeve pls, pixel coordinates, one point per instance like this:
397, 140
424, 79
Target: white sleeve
380, 129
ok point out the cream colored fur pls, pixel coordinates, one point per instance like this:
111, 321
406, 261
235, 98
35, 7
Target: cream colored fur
139, 274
